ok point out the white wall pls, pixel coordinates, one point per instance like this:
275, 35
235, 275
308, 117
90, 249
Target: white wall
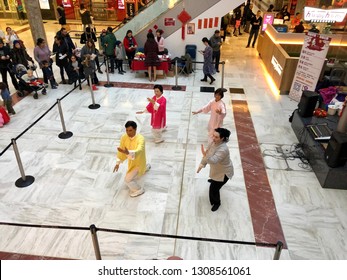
176, 45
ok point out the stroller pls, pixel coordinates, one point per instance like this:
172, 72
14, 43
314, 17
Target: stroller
28, 84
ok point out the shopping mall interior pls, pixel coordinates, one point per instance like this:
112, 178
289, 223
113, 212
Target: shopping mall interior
274, 195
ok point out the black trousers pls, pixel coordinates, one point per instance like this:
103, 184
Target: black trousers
216, 58
3, 72
214, 190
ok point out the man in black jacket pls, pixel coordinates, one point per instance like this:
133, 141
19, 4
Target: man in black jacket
5, 63
256, 23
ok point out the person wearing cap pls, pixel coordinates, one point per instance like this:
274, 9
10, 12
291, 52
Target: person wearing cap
120, 56
216, 42
5, 60
160, 41
19, 55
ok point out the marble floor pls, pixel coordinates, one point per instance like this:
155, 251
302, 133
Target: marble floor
270, 197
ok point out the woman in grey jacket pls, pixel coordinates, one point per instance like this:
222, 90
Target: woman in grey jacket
221, 167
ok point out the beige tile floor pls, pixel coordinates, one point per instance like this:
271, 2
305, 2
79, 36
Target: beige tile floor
74, 185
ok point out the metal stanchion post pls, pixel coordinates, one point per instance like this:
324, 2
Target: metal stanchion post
222, 80
108, 84
24, 181
176, 86
278, 251
95, 242
92, 106
65, 134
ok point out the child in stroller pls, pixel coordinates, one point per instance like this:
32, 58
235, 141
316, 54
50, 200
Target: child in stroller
28, 82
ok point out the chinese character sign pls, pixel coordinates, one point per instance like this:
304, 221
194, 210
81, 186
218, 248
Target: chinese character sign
310, 64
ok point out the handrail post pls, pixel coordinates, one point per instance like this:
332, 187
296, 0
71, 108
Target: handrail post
92, 106
24, 181
222, 80
108, 84
65, 134
278, 251
93, 230
176, 86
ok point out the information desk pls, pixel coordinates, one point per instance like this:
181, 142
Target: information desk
139, 65
328, 177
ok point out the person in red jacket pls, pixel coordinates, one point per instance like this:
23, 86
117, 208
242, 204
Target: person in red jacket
157, 108
130, 46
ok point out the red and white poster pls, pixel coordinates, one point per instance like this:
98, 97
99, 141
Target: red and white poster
310, 64
121, 5
169, 21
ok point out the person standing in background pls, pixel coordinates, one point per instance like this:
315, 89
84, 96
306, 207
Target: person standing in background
238, 18
256, 23
208, 68
248, 15
216, 42
130, 46
6, 96
157, 108
61, 15
85, 17
151, 56
160, 41
10, 36
109, 45
132, 147
119, 55
5, 62
42, 53
217, 155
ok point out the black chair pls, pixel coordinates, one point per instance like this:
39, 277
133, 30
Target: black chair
192, 51
336, 77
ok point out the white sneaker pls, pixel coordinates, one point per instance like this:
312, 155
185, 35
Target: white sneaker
137, 193
159, 141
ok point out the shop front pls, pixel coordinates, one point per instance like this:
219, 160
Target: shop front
280, 50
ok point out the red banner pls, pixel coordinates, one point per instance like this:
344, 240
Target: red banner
205, 22
216, 21
210, 24
199, 23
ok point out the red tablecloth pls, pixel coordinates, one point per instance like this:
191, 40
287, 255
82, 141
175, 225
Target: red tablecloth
138, 65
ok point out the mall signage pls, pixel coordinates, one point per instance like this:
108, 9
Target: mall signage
320, 15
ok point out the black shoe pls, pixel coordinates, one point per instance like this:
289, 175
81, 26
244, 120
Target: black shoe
240, 34
212, 80
36, 96
253, 47
203, 80
121, 73
215, 207
100, 72
217, 71
247, 46
209, 180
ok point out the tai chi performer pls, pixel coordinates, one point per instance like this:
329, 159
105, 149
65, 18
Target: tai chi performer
221, 167
132, 147
218, 112
157, 108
